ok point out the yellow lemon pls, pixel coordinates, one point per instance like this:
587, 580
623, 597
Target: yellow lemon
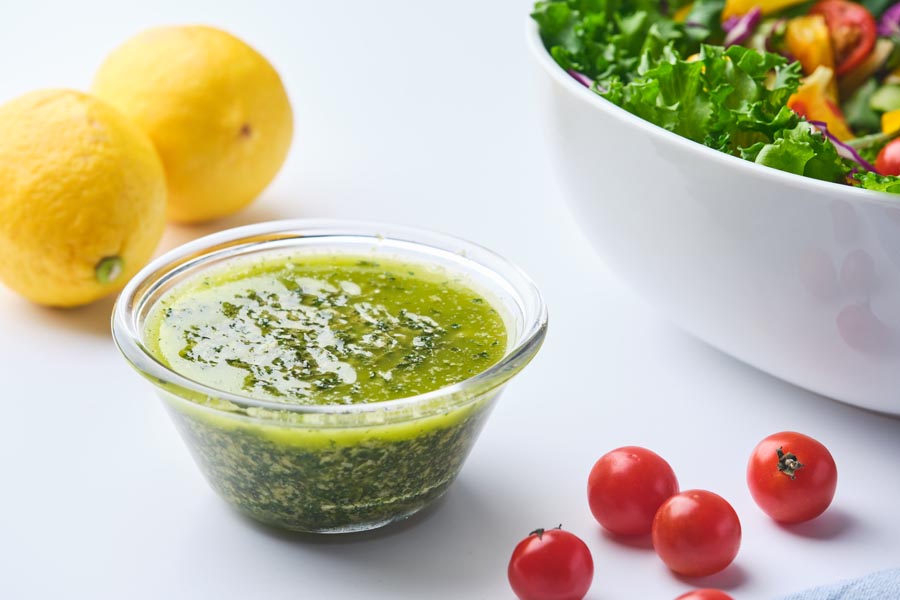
215, 109
82, 197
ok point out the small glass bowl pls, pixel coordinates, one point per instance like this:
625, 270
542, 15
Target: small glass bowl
332, 468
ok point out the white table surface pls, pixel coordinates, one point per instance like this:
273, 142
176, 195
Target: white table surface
422, 113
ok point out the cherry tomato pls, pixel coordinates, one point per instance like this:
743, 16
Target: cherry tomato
705, 594
551, 564
852, 29
792, 477
627, 486
696, 533
888, 160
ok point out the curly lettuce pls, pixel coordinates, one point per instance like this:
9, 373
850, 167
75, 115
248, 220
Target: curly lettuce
727, 99
675, 74
802, 150
879, 183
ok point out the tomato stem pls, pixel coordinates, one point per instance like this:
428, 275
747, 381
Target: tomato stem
788, 463
540, 532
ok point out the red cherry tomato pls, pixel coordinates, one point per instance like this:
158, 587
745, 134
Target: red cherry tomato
705, 594
627, 486
792, 477
696, 533
551, 565
852, 29
888, 160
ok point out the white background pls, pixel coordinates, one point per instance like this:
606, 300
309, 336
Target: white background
423, 113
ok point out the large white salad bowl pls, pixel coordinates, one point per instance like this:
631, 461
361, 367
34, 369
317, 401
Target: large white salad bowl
798, 277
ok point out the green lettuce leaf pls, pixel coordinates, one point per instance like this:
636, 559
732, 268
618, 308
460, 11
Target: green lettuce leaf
858, 110
705, 20
727, 98
605, 38
881, 183
674, 75
802, 150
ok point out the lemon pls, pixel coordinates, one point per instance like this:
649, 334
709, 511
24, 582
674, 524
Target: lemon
82, 197
215, 109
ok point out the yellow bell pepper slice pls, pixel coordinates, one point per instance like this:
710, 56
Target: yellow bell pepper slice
813, 102
890, 122
681, 14
809, 40
735, 8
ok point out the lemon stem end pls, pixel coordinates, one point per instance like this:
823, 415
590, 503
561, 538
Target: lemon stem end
108, 269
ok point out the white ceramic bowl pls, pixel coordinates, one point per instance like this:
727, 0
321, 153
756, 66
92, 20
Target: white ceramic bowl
798, 277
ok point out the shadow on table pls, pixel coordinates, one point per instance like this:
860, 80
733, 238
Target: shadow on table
734, 576
670, 334
267, 209
834, 523
440, 548
636, 542
92, 319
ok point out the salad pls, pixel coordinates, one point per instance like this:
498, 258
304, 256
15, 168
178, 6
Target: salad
811, 88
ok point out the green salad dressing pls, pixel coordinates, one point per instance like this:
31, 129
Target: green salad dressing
327, 330
313, 329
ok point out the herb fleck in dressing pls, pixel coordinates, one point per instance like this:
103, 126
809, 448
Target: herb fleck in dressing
327, 330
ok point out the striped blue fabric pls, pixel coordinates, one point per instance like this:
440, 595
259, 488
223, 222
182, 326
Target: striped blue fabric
883, 585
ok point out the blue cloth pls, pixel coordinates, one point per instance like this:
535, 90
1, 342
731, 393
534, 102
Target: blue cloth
883, 585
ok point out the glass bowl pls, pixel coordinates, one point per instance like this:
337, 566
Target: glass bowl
332, 468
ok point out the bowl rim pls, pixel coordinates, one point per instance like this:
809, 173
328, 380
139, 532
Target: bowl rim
127, 334
550, 66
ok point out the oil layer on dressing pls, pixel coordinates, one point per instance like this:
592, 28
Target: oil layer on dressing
326, 329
